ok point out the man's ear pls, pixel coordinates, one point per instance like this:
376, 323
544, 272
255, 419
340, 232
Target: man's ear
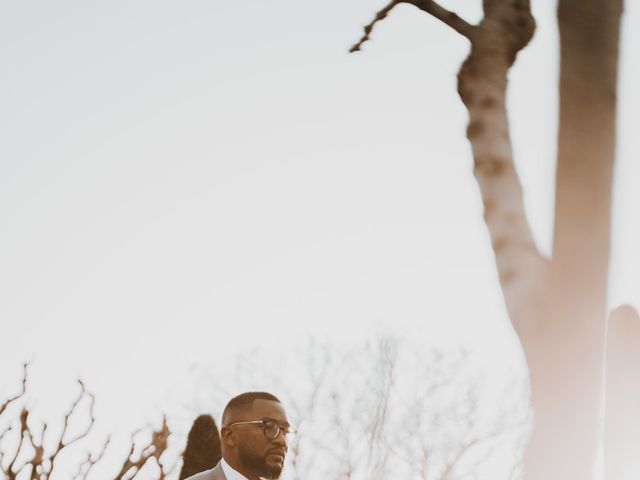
228, 436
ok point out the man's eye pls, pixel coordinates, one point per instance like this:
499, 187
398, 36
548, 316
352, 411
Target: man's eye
271, 427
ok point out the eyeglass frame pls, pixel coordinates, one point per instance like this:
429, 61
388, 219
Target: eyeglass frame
286, 430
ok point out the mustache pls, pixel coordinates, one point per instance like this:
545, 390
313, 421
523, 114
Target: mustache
279, 451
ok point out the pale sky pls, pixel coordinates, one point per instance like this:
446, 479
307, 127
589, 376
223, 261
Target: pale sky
181, 180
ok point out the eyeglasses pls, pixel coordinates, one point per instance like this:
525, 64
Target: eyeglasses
270, 429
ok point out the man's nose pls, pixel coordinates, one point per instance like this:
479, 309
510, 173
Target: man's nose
281, 439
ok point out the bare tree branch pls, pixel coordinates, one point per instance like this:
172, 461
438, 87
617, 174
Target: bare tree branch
23, 389
447, 17
306, 409
23, 445
381, 15
10, 471
92, 419
429, 6
156, 447
62, 443
38, 451
91, 460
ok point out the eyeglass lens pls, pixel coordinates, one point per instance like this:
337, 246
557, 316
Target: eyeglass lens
272, 429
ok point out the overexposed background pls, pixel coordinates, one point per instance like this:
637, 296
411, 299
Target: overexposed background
180, 181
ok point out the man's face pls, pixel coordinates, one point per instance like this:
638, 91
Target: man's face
259, 455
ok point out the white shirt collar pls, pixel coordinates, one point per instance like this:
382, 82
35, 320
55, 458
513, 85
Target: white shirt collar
229, 472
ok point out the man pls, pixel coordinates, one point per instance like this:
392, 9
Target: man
255, 437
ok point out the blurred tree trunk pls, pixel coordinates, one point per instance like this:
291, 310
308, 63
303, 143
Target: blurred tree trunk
557, 306
622, 417
565, 354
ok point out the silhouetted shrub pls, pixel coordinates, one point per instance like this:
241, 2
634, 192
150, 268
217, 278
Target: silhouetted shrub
203, 449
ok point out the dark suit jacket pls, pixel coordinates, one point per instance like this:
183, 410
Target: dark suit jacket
216, 473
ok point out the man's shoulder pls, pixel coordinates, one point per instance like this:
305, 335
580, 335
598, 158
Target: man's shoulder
216, 473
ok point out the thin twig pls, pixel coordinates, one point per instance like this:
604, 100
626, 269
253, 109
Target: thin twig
92, 400
429, 6
61, 442
381, 15
23, 389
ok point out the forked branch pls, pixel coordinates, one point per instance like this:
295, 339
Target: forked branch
23, 453
154, 449
9, 401
429, 6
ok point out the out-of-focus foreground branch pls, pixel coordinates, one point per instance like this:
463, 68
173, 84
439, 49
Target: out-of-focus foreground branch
32, 450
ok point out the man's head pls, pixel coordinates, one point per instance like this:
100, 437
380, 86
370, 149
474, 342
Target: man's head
254, 435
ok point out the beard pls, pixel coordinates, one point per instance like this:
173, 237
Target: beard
258, 465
